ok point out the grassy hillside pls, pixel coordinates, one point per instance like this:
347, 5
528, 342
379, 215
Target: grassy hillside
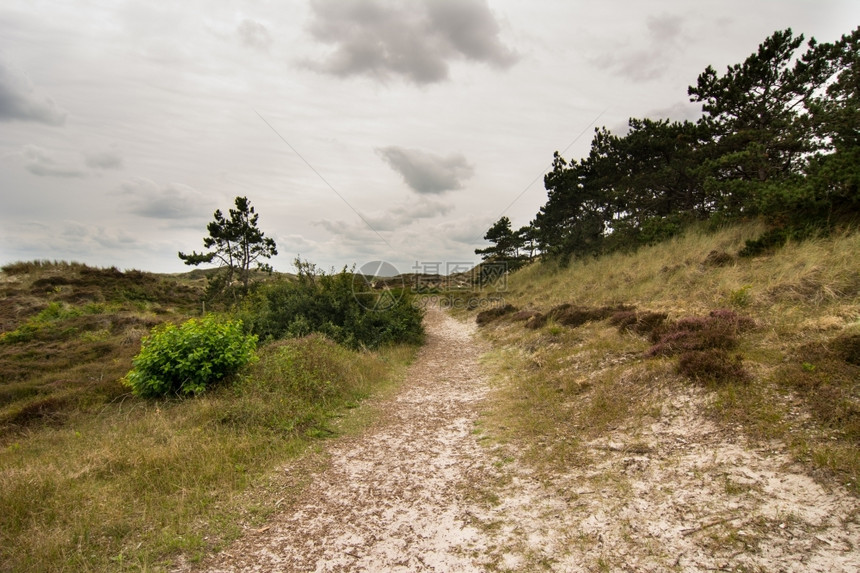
93, 478
774, 340
68, 332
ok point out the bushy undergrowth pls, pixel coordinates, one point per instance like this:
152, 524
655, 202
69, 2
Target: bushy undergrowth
826, 376
487, 316
25, 267
643, 323
341, 306
187, 359
93, 478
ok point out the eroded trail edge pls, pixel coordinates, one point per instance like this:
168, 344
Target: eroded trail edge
392, 499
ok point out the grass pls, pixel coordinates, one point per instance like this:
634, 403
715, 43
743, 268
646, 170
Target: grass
775, 339
94, 479
68, 332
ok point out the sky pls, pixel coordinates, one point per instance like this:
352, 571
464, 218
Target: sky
371, 130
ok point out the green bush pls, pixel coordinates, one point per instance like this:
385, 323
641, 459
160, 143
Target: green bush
184, 360
341, 306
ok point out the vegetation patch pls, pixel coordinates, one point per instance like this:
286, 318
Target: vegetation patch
94, 478
717, 331
718, 259
796, 382
487, 316
68, 333
185, 360
524, 315
826, 376
642, 323
702, 344
572, 315
848, 348
712, 365
338, 305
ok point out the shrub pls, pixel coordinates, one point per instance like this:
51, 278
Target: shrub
574, 316
339, 306
184, 360
536, 321
492, 314
713, 364
638, 322
717, 330
703, 343
718, 259
825, 376
848, 348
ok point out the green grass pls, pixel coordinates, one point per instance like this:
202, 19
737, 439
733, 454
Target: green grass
797, 382
95, 479
144, 481
68, 333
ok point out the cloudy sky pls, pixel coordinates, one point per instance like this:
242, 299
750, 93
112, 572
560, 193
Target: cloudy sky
394, 130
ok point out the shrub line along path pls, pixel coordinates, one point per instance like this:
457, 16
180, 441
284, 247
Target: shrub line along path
418, 492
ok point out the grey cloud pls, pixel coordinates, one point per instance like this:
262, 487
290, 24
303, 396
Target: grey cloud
66, 239
665, 29
254, 35
39, 161
108, 238
471, 28
403, 215
651, 62
425, 172
415, 40
364, 232
349, 234
20, 101
149, 199
104, 160
465, 231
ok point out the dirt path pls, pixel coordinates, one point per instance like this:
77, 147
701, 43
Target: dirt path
418, 492
391, 499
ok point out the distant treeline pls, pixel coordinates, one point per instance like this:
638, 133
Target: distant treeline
778, 139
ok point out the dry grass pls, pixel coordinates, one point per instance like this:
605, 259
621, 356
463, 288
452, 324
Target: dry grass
559, 385
68, 332
93, 479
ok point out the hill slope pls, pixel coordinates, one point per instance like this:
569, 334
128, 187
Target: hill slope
697, 409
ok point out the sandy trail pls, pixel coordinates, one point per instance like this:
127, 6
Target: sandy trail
418, 492
391, 499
